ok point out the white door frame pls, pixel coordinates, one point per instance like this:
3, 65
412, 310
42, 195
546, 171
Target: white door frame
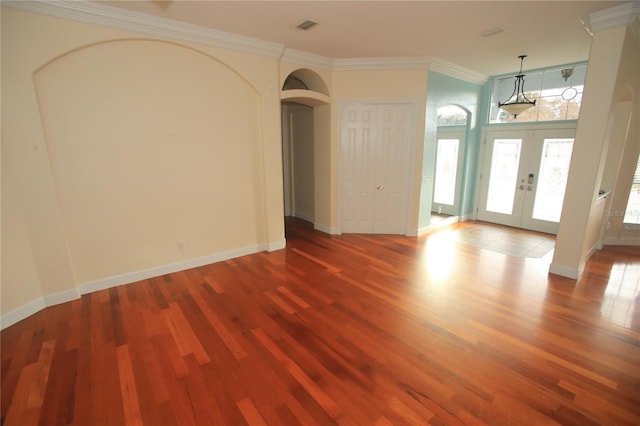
507, 131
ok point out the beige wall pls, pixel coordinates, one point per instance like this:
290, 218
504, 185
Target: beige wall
123, 154
613, 70
625, 140
325, 198
21, 283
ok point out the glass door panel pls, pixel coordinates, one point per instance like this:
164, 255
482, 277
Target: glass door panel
503, 175
552, 179
448, 170
444, 189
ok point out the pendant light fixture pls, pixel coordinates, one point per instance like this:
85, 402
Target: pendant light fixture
517, 102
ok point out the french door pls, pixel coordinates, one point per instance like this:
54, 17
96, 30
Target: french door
524, 176
375, 139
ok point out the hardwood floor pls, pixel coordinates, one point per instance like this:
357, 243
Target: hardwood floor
354, 330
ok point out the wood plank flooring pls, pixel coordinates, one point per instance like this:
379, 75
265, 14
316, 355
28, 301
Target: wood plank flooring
349, 330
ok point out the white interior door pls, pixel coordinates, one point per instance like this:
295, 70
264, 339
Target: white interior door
524, 177
358, 183
391, 170
374, 154
450, 143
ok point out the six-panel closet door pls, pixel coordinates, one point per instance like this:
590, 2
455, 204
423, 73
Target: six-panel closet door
375, 140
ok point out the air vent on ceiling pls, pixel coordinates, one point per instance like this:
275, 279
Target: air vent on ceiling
306, 24
492, 32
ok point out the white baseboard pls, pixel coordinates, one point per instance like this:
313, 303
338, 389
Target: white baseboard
157, 271
37, 305
22, 312
303, 216
277, 245
412, 232
326, 229
61, 297
40, 303
565, 271
610, 241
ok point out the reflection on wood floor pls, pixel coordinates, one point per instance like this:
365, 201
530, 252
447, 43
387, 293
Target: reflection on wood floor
351, 329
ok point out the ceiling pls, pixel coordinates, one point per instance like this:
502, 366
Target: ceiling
550, 32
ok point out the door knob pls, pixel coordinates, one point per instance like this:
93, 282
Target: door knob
379, 187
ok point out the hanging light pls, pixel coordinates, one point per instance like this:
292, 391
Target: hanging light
517, 102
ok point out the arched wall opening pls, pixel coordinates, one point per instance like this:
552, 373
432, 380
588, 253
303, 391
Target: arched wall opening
305, 115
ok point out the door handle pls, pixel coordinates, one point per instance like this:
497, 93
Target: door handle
379, 187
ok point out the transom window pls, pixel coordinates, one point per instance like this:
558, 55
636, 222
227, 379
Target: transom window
557, 98
451, 115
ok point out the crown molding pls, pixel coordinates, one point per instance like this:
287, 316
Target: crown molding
307, 59
390, 63
453, 70
635, 28
136, 22
113, 17
621, 15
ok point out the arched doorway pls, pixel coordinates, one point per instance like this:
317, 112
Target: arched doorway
305, 147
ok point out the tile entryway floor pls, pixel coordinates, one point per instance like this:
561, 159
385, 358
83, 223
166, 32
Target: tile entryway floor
503, 239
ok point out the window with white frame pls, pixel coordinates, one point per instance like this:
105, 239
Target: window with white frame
557, 98
632, 212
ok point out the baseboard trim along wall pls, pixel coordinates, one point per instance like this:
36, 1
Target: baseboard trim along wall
622, 241
565, 271
40, 303
326, 229
22, 312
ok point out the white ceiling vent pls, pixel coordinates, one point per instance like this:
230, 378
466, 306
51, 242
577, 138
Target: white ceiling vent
306, 24
492, 32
